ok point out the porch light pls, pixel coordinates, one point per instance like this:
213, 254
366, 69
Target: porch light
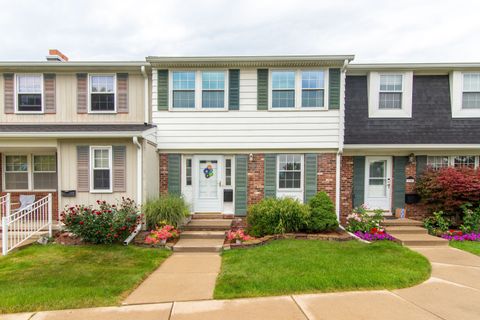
250, 157
411, 158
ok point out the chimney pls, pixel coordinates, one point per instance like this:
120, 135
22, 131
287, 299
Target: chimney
56, 56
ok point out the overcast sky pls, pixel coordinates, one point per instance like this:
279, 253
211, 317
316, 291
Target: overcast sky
393, 31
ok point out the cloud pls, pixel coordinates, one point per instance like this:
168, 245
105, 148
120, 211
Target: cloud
132, 29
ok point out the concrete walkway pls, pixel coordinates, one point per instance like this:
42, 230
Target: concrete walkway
452, 293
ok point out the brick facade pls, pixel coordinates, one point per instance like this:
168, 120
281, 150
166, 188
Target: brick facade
163, 173
414, 211
326, 174
346, 188
256, 179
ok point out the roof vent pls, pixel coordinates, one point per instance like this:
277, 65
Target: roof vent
56, 56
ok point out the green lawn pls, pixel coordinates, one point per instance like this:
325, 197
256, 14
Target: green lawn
302, 266
61, 277
470, 246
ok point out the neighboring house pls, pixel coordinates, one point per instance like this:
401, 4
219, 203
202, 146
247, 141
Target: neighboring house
401, 118
233, 130
79, 130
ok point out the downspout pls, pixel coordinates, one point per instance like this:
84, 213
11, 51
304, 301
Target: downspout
145, 98
139, 189
341, 132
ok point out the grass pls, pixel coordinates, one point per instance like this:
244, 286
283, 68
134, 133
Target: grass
470, 246
62, 277
303, 266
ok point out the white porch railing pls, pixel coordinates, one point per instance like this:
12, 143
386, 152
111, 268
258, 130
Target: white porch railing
19, 226
5, 205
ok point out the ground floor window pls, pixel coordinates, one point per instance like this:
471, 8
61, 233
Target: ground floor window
101, 169
437, 162
289, 171
30, 172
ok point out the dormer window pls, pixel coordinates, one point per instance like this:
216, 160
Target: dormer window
390, 94
102, 93
471, 91
29, 93
390, 91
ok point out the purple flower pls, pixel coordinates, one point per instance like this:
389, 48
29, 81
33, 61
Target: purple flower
474, 236
373, 237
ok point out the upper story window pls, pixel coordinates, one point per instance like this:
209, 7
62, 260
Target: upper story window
102, 93
297, 89
390, 94
184, 89
471, 91
390, 91
198, 90
313, 90
29, 92
101, 166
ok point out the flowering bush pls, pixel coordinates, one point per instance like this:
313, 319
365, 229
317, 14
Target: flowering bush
107, 224
161, 235
361, 220
471, 219
374, 235
238, 235
436, 224
453, 235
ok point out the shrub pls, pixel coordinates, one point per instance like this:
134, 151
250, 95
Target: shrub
108, 224
436, 224
322, 213
471, 219
275, 216
361, 220
167, 209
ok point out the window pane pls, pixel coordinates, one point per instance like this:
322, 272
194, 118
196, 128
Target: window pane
101, 179
377, 169
390, 82
103, 102
289, 171
390, 100
213, 99
44, 163
312, 80
213, 80
183, 80
312, 98
283, 99
228, 172
29, 102
29, 83
101, 159
16, 181
283, 80
471, 100
188, 172
16, 164
471, 82
103, 84
45, 180
437, 162
184, 99
464, 161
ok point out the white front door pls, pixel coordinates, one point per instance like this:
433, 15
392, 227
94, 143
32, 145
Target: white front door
208, 191
378, 177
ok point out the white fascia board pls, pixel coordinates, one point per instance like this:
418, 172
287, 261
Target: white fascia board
93, 134
411, 146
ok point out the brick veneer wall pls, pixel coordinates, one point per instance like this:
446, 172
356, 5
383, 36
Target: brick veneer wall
326, 174
163, 173
346, 188
414, 211
256, 178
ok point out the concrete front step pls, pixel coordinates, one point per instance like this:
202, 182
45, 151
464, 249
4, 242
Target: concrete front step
208, 225
198, 245
406, 230
401, 222
200, 216
203, 235
420, 240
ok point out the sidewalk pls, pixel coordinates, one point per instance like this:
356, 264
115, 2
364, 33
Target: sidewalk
453, 292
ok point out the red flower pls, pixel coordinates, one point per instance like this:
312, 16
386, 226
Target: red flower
81, 223
373, 230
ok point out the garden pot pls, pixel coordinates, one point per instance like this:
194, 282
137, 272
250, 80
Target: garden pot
238, 241
163, 241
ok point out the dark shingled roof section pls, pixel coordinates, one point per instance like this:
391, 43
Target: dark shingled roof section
431, 121
20, 128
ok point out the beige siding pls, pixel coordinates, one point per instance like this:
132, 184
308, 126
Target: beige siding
68, 172
66, 104
151, 172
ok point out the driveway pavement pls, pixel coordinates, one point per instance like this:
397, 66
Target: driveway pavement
452, 293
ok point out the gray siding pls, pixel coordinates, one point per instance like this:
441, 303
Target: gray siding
431, 121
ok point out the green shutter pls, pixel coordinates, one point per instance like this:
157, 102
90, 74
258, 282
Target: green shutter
262, 89
233, 89
174, 174
310, 176
270, 172
241, 193
162, 89
358, 181
421, 165
399, 164
334, 88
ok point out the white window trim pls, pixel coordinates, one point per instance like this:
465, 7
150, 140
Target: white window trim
30, 171
451, 159
16, 93
456, 94
184, 178
91, 168
298, 90
232, 172
33, 169
374, 95
302, 172
198, 90
90, 75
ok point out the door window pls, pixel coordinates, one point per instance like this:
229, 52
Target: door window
208, 182
377, 179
